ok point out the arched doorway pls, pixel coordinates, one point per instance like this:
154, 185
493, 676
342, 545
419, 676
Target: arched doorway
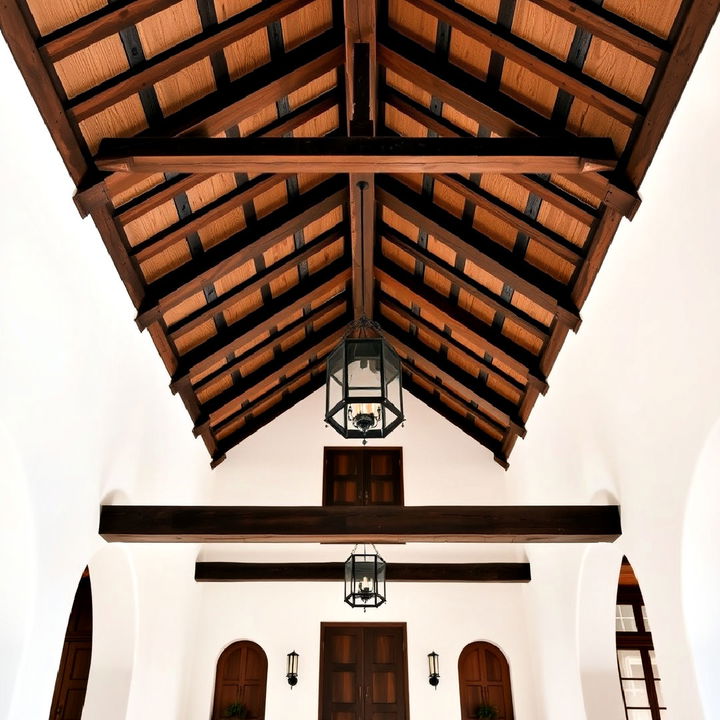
72, 677
484, 682
241, 680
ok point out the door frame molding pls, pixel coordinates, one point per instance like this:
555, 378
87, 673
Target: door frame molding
401, 625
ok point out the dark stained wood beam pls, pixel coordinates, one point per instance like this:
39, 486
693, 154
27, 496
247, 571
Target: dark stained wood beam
257, 281
360, 19
513, 217
223, 409
356, 155
136, 208
496, 409
569, 204
539, 62
98, 25
463, 422
211, 40
240, 99
245, 245
165, 239
542, 289
492, 109
219, 346
612, 28
289, 399
497, 345
20, 33
536, 523
270, 343
335, 572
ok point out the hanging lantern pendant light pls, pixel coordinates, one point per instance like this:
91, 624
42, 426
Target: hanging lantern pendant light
363, 391
365, 579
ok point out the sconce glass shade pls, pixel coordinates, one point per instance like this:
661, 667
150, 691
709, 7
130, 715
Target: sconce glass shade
434, 668
364, 386
365, 580
293, 660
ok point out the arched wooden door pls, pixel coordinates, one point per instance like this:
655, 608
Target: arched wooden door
484, 680
74, 670
241, 678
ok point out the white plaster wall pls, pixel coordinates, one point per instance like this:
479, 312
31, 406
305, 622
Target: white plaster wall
86, 412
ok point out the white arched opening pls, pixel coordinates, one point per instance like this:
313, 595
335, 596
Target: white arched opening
114, 600
701, 572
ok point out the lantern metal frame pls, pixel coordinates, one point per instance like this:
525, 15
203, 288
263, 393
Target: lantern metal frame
364, 335
434, 669
365, 584
293, 662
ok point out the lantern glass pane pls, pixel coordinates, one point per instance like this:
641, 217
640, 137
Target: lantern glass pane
335, 376
363, 368
392, 377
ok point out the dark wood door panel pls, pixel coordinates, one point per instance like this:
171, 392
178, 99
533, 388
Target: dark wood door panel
484, 680
363, 673
363, 476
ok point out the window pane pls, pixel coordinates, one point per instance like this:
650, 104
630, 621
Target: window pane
646, 622
658, 690
653, 662
635, 693
630, 664
639, 715
625, 619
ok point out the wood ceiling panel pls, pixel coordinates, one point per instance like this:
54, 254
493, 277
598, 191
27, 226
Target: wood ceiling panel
245, 281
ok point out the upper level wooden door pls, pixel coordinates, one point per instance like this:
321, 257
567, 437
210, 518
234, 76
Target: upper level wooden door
241, 678
363, 672
363, 476
484, 680
74, 671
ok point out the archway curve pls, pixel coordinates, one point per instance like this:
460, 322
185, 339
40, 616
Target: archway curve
241, 677
700, 572
484, 680
114, 595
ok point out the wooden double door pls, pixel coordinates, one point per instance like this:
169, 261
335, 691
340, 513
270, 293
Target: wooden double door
363, 672
362, 476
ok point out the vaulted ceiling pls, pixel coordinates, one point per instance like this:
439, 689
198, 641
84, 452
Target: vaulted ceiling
250, 169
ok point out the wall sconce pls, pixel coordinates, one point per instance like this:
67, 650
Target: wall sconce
292, 669
434, 663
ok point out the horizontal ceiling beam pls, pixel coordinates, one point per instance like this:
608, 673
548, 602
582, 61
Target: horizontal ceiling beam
516, 572
172, 524
356, 155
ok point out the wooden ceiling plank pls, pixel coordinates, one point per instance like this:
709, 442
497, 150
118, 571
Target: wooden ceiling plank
227, 341
569, 204
612, 28
502, 408
496, 344
515, 572
241, 99
245, 245
257, 281
255, 423
543, 64
270, 342
453, 376
331, 154
513, 217
495, 110
372, 524
464, 423
224, 408
448, 271
137, 207
543, 290
165, 239
211, 40
98, 25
